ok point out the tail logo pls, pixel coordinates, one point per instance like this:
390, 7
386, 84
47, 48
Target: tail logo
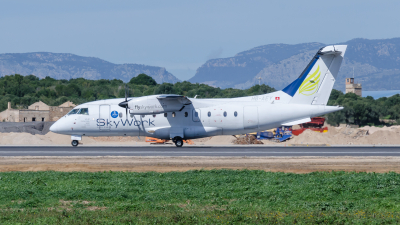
310, 84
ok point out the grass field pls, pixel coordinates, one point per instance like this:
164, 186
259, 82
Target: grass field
199, 197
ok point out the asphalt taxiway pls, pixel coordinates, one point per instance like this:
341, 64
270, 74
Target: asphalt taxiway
230, 151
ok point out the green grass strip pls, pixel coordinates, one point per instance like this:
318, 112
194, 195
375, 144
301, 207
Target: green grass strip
199, 197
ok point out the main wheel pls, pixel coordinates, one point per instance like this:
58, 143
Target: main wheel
74, 143
178, 142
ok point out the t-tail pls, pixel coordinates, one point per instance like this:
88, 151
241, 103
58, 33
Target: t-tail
315, 84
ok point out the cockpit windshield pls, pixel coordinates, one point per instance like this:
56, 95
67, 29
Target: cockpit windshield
84, 111
74, 111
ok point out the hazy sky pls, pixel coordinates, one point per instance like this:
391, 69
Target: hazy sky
182, 35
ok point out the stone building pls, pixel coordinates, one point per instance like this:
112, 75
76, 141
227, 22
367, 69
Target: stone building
38, 111
351, 87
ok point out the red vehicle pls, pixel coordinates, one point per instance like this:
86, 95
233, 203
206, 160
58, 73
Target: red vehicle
316, 124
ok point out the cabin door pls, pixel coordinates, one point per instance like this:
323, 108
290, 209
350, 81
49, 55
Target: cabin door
104, 116
250, 117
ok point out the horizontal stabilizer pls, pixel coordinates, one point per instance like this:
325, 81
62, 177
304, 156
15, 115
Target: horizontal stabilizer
291, 123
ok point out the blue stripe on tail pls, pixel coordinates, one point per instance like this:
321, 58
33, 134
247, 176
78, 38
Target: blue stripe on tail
292, 88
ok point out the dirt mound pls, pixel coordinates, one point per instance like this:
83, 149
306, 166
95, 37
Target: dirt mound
40, 128
247, 140
220, 140
350, 136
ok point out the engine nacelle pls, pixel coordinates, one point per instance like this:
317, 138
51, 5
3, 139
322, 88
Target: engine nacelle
153, 105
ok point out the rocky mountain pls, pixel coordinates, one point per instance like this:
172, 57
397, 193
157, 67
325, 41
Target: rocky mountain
67, 66
376, 65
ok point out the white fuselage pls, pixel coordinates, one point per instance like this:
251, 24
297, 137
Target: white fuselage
202, 118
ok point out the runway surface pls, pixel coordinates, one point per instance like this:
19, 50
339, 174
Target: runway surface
238, 151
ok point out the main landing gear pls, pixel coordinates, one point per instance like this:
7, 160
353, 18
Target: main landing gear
74, 143
178, 141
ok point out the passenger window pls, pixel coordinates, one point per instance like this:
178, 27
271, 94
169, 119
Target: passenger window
74, 111
186, 114
84, 111
173, 114
165, 114
143, 116
120, 115
131, 115
235, 114
154, 115
209, 114
225, 114
196, 114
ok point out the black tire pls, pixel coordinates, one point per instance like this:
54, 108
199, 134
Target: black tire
74, 143
178, 142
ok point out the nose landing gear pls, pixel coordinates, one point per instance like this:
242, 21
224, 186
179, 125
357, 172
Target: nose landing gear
75, 140
74, 143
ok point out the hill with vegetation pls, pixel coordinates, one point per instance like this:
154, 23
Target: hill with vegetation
376, 64
70, 66
23, 91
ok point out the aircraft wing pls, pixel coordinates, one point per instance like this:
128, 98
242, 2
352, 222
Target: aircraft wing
174, 99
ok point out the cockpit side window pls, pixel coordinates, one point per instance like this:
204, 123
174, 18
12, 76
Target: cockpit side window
74, 111
84, 111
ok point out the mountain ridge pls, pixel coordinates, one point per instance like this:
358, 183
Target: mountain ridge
279, 64
68, 65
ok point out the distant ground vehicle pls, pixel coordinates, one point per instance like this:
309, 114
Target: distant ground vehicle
280, 134
316, 124
284, 133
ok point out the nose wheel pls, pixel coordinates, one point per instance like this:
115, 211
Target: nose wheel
74, 143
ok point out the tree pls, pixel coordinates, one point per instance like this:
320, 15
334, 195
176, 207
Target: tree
165, 88
143, 79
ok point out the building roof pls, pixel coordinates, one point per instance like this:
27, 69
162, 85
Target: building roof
39, 106
67, 104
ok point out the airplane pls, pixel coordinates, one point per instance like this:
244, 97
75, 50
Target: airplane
177, 117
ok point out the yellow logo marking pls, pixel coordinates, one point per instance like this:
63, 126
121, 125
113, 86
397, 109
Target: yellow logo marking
310, 84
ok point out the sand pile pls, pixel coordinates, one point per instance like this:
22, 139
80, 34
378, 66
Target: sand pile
372, 130
29, 139
350, 136
219, 140
58, 139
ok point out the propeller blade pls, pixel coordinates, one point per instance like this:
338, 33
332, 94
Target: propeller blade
126, 96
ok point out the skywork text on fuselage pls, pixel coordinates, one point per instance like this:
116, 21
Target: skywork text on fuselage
147, 107
126, 122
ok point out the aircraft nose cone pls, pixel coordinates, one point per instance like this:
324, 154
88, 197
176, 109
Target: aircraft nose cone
55, 127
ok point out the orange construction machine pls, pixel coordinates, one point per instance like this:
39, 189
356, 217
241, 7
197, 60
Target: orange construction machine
163, 141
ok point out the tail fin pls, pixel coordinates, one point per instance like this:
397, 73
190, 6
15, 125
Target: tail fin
315, 84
